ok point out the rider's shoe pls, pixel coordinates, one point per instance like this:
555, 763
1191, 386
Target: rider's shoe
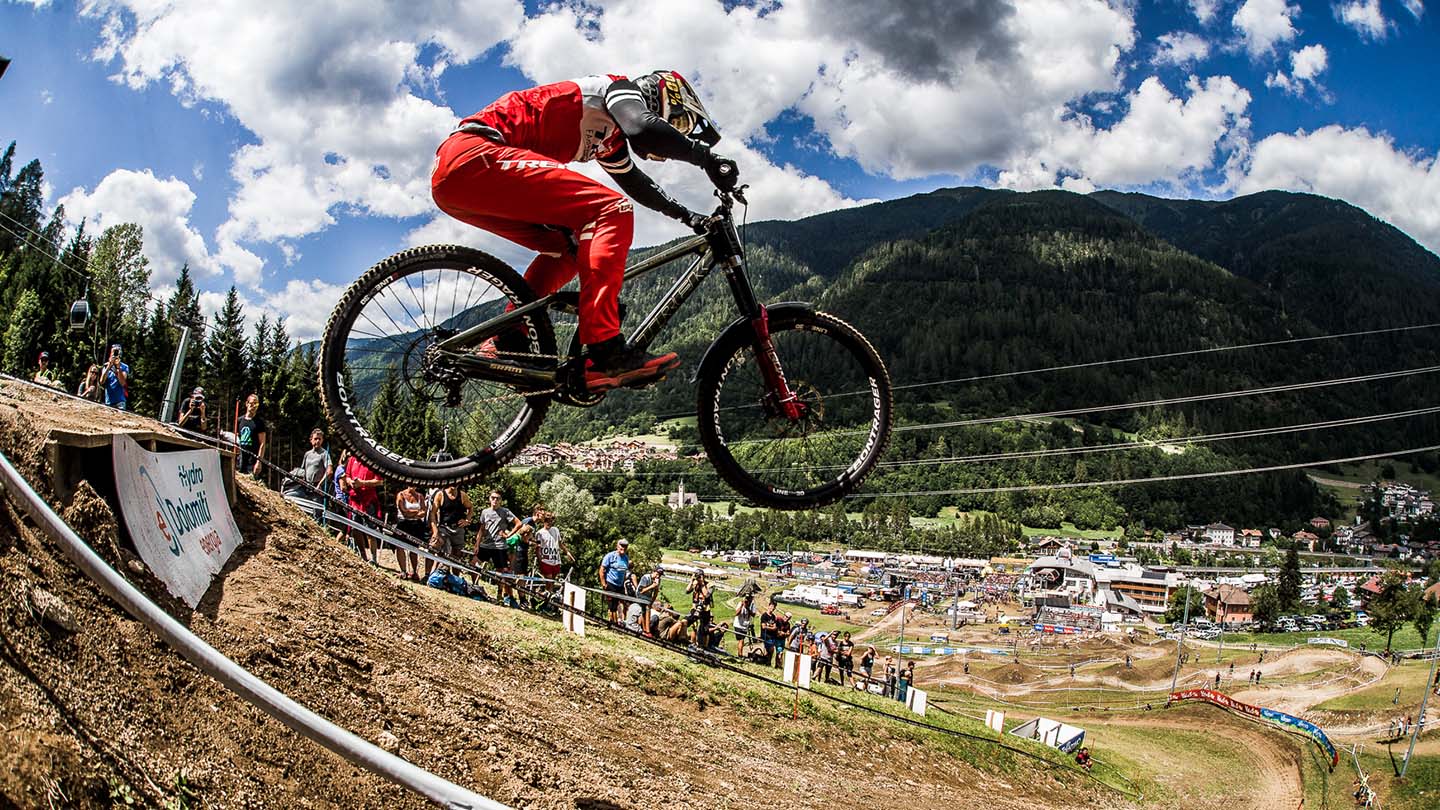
508, 343
613, 364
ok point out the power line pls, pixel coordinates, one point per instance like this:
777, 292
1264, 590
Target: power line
1273, 389
1155, 479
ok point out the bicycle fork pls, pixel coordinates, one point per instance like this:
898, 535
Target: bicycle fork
781, 398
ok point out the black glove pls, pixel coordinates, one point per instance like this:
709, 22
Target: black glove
722, 171
695, 222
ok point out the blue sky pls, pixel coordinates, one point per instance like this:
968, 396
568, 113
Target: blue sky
283, 146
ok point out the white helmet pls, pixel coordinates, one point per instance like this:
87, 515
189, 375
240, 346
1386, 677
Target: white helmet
669, 96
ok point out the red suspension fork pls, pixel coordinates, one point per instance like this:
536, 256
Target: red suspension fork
777, 389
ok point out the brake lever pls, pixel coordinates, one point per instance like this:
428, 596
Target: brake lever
739, 193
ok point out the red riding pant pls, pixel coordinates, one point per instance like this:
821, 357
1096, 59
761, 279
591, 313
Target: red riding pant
514, 193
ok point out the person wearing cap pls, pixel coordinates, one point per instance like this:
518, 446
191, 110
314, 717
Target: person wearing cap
115, 379
46, 375
615, 575
192, 415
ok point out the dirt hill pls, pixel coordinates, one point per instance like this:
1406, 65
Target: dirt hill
94, 708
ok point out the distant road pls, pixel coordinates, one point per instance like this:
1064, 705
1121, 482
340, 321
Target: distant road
1334, 482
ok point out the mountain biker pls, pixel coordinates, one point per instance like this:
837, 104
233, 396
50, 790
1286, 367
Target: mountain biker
503, 170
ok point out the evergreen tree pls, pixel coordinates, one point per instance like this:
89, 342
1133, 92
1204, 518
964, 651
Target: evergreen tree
22, 336
225, 360
20, 203
1288, 587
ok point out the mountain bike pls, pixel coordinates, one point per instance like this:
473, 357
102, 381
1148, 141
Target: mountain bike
793, 405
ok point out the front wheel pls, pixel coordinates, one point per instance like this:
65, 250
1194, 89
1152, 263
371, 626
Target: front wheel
843, 392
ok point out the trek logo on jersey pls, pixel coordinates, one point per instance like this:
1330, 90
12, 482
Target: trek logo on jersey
506, 165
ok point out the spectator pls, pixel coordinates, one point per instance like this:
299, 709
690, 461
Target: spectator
365, 487
341, 483
669, 626
518, 545
615, 577
192, 415
796, 641
115, 380
316, 461
744, 617
702, 599
449, 515
1217, 680
825, 656
90, 387
46, 375
647, 593
410, 520
845, 657
867, 665
253, 435
496, 524
767, 630
889, 677
782, 635
635, 617
1082, 758
552, 548
902, 682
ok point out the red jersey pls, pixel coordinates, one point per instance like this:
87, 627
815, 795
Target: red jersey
566, 121
362, 497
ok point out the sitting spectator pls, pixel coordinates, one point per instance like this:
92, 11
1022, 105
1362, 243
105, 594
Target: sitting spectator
192, 416
635, 618
410, 520
669, 626
1082, 758
90, 386
46, 375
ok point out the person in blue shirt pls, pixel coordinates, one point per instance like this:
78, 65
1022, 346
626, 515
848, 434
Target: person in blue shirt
615, 575
115, 378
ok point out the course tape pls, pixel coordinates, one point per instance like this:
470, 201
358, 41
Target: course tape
234, 677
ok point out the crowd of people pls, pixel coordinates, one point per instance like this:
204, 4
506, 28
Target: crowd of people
107, 382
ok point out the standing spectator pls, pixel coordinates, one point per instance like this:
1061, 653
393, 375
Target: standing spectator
410, 520
867, 665
497, 524
796, 641
115, 380
889, 677
647, 593
341, 483
253, 435
45, 375
192, 415
551, 547
90, 387
615, 576
518, 547
744, 617
702, 599
845, 657
902, 682
316, 461
782, 635
767, 630
825, 655
449, 515
364, 494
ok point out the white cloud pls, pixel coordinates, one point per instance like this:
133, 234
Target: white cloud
1365, 17
1306, 65
305, 306
1415, 7
1204, 10
160, 207
1354, 165
47, 97
1263, 24
1161, 138
324, 88
1180, 48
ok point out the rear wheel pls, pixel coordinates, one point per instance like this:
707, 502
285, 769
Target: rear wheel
390, 395
844, 392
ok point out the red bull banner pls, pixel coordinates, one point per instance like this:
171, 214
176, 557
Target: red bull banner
1224, 701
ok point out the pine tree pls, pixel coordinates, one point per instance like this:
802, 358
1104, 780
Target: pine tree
225, 360
1288, 587
22, 336
20, 204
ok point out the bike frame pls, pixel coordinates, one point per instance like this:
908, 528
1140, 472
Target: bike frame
718, 246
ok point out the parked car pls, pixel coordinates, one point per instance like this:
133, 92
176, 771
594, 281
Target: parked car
830, 610
879, 612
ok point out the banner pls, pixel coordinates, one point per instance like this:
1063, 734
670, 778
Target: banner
995, 720
1226, 702
797, 669
175, 507
574, 616
1335, 642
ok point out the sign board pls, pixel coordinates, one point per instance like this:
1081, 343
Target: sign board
797, 669
574, 612
175, 507
1102, 559
995, 721
915, 700
1338, 642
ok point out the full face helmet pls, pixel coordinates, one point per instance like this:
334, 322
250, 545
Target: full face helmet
671, 97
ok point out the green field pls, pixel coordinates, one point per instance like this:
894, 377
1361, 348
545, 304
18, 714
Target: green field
1406, 638
1409, 678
